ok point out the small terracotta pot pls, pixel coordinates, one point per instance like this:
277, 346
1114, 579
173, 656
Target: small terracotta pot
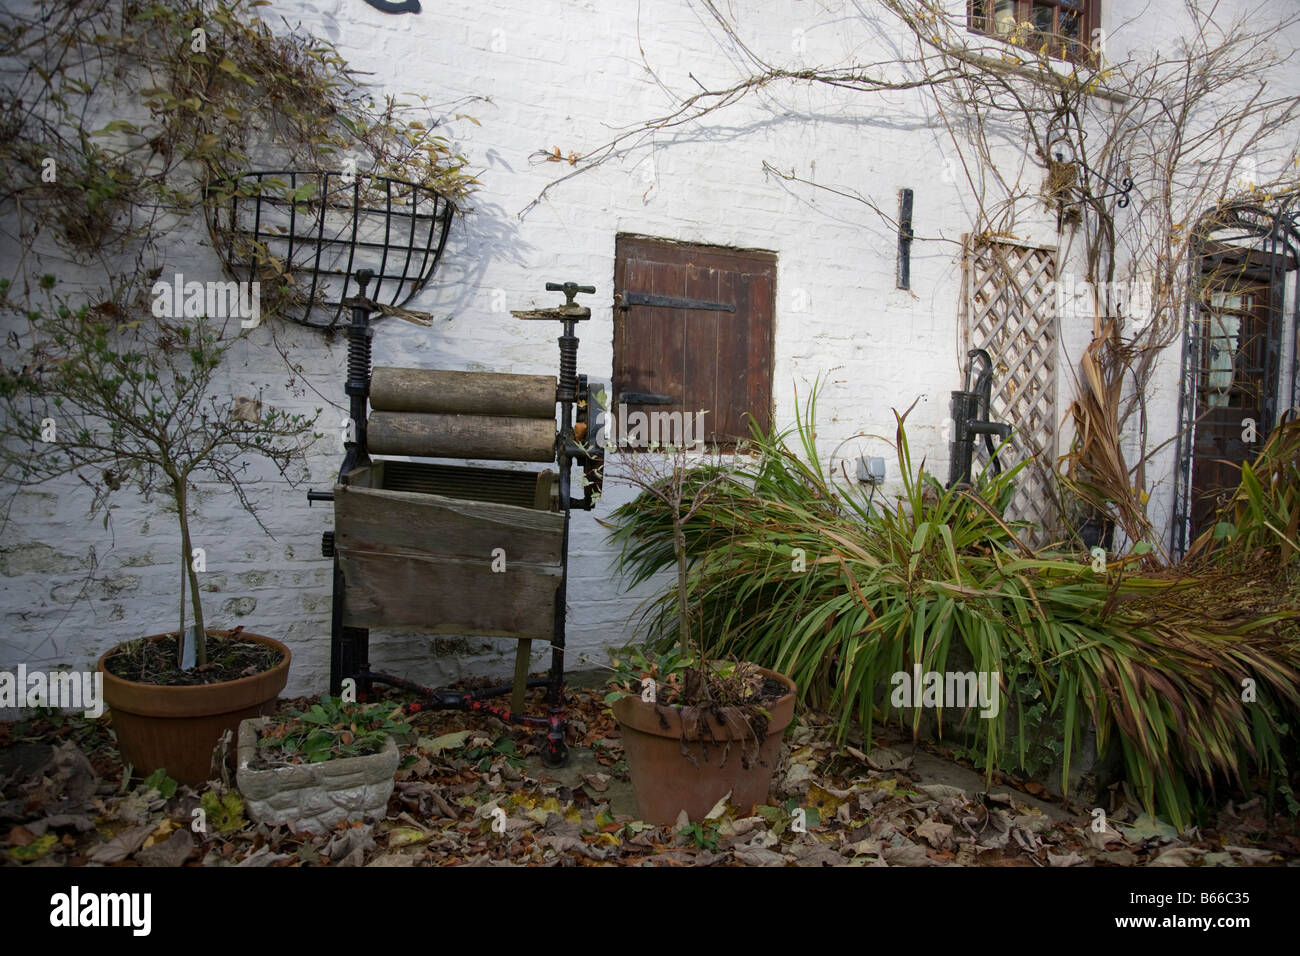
664, 779
176, 728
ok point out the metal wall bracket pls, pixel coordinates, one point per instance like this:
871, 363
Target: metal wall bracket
1121, 189
905, 236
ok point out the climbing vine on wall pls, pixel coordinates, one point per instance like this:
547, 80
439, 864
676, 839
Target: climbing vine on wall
122, 120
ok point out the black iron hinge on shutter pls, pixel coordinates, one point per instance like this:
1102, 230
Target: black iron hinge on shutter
625, 300
646, 398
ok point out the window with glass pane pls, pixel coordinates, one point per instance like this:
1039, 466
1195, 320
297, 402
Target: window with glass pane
1060, 28
1233, 352
1225, 330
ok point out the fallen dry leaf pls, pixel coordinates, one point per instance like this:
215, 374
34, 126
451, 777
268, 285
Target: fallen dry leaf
173, 851
121, 846
938, 835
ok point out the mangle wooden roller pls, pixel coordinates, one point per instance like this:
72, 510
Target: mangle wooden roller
451, 548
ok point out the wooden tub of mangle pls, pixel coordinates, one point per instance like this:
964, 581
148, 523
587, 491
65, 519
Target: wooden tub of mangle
454, 549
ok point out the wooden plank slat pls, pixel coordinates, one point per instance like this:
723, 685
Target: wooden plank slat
626, 276
726, 417
701, 361
447, 596
373, 519
761, 293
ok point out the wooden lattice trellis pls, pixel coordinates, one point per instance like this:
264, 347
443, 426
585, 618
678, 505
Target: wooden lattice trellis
1011, 312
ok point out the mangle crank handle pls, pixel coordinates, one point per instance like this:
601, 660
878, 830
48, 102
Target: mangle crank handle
570, 289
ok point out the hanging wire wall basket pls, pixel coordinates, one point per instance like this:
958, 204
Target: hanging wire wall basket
303, 234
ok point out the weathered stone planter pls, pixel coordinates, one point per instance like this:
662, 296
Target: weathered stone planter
315, 796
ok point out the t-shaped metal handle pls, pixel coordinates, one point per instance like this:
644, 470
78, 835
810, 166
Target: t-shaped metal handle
570, 289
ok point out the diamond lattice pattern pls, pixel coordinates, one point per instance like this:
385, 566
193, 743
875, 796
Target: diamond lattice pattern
1011, 312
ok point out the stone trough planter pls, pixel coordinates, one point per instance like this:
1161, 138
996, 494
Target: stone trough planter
314, 797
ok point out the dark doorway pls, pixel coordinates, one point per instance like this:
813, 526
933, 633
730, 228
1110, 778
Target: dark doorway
1241, 352
1240, 357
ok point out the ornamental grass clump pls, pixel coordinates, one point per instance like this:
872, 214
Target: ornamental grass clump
795, 572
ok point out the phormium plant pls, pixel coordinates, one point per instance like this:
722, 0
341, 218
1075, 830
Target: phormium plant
791, 571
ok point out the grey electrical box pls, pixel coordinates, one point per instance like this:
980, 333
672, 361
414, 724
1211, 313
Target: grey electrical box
871, 471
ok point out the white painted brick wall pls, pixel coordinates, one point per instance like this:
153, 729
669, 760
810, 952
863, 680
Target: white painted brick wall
567, 73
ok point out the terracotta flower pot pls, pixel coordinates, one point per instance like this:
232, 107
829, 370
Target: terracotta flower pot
176, 728
665, 780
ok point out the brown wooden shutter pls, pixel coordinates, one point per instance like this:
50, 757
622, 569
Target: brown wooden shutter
713, 361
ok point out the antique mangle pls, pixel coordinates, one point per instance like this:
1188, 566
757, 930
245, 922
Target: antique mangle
449, 548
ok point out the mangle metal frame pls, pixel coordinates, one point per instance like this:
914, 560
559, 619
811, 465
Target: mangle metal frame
350, 642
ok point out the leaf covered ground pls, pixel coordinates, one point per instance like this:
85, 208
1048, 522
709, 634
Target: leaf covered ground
63, 803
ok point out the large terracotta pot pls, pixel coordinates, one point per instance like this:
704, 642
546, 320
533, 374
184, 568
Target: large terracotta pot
664, 779
176, 728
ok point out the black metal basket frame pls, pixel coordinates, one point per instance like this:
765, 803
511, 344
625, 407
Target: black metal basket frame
428, 212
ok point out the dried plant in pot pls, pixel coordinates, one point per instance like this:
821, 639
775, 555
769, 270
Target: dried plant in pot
684, 757
131, 404
695, 730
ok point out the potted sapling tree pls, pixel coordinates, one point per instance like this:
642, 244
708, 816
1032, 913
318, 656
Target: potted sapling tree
695, 730
132, 404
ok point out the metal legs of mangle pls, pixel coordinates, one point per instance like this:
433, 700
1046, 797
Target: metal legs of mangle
451, 549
